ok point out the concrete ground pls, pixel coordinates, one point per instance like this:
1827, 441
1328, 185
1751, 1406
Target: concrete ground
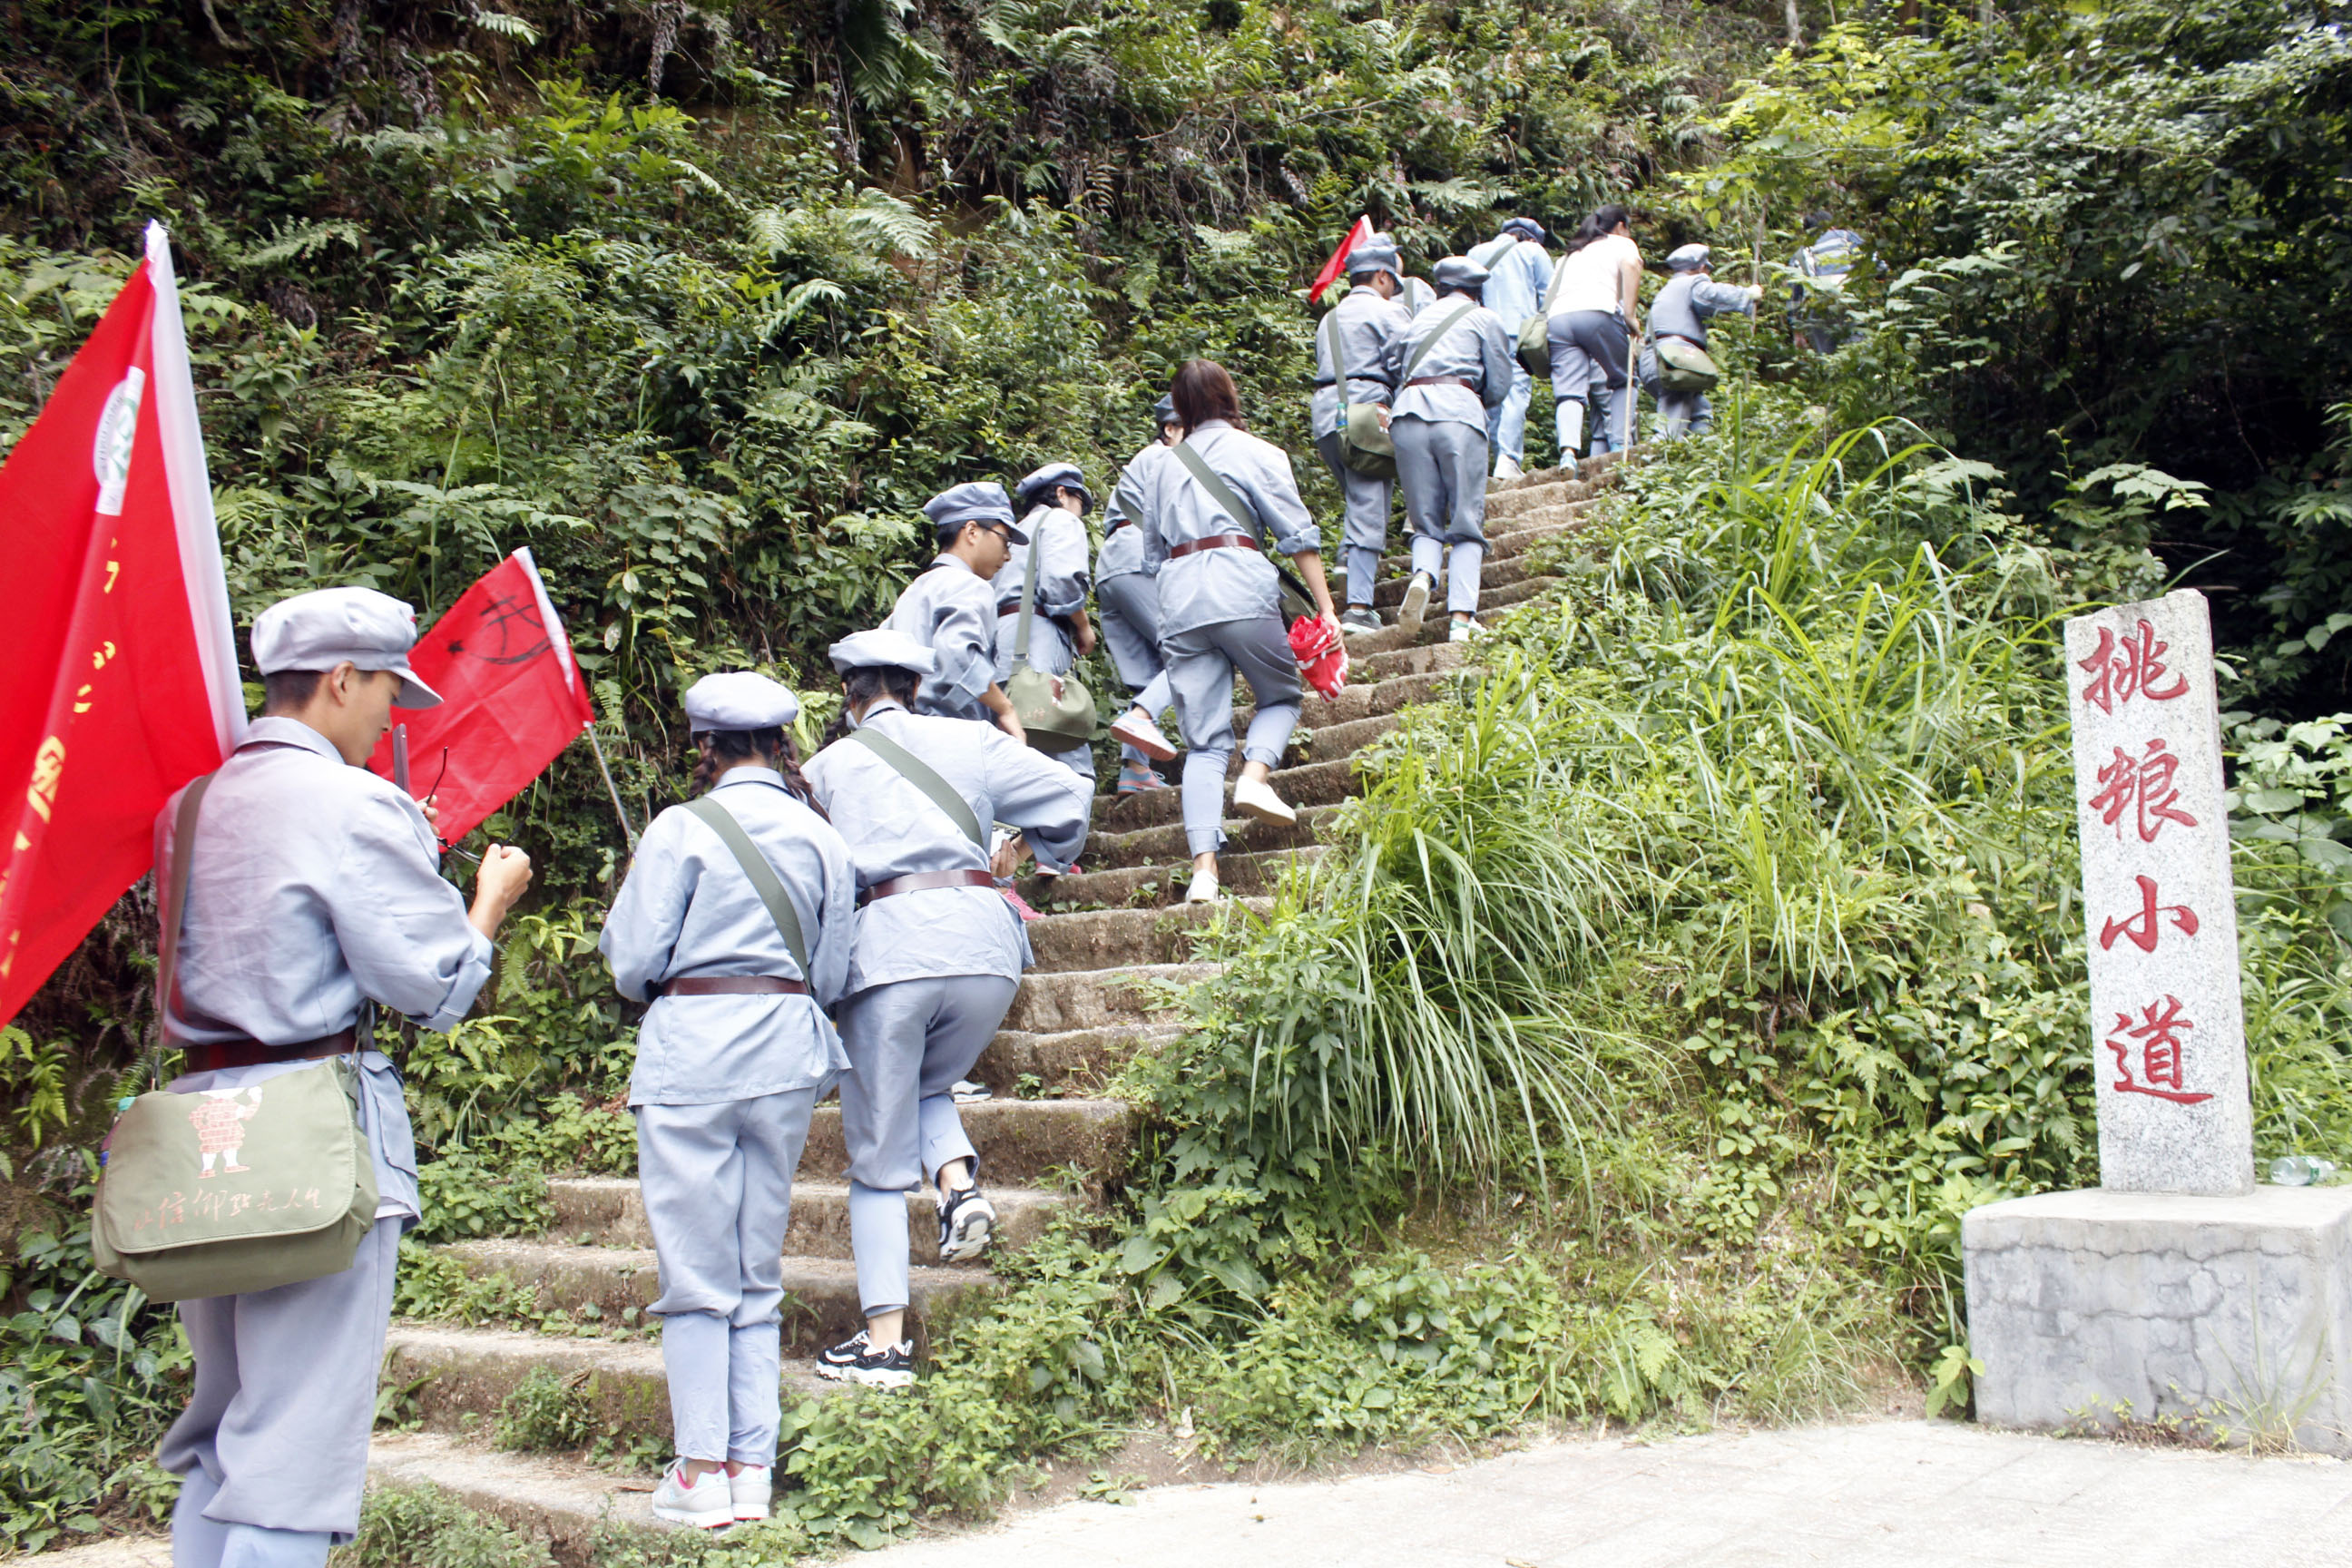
1907, 1494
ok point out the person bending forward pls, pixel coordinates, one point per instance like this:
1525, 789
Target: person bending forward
1460, 360
1130, 616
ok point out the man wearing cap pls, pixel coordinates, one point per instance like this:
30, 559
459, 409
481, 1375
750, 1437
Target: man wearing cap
1057, 499
732, 1057
951, 607
1451, 363
1359, 332
313, 893
1681, 310
1519, 271
938, 956
1131, 615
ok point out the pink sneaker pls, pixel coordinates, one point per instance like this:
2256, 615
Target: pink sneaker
1020, 905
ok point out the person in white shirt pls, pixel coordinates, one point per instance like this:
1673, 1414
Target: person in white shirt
1593, 324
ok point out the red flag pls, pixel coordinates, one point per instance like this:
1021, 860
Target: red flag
119, 654
1339, 262
512, 698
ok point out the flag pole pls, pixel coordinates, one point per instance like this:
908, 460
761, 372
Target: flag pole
610, 789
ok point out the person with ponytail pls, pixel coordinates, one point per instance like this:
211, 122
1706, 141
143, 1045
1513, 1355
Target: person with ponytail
1595, 320
731, 1055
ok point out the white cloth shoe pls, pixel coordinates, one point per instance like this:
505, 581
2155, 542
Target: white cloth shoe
1143, 735
1251, 798
1415, 606
750, 1491
1203, 890
708, 1503
1465, 631
1507, 470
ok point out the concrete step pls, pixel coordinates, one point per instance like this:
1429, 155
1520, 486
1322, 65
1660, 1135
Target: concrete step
1396, 572
1525, 498
547, 1497
1021, 1142
1121, 939
1319, 782
1165, 844
1509, 583
821, 1306
1358, 700
1164, 884
1066, 1001
1391, 664
1074, 1062
610, 1211
1527, 481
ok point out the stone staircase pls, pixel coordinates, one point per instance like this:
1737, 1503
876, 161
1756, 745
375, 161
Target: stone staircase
1113, 948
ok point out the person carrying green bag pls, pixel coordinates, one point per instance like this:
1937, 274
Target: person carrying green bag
311, 892
1350, 411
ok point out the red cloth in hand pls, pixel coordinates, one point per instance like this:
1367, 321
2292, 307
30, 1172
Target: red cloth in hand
1322, 655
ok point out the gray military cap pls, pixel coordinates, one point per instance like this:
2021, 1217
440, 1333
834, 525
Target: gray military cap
1040, 484
329, 627
1525, 227
981, 502
1378, 254
1459, 272
740, 700
882, 648
1165, 410
1688, 258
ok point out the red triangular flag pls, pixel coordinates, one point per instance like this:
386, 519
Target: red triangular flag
1339, 262
119, 654
512, 698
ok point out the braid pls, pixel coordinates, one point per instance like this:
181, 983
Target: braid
788, 763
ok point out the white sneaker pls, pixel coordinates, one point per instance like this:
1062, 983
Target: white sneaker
706, 1503
1251, 798
1143, 735
1466, 631
1415, 606
968, 1091
750, 1491
1203, 890
1507, 470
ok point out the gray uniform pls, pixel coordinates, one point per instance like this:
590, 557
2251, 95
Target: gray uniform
1127, 606
1521, 270
953, 613
934, 970
1220, 610
1680, 310
1440, 430
724, 1087
1368, 327
1060, 539
312, 886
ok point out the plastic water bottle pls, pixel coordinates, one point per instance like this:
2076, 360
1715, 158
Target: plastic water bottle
2300, 1169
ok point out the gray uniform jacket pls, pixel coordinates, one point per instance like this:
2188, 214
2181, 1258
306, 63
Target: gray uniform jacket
1121, 554
686, 910
894, 829
1127, 495
953, 613
1228, 584
1474, 349
314, 886
1687, 300
1062, 580
1367, 325
1522, 274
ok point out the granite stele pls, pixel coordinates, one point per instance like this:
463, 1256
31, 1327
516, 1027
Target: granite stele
2178, 1286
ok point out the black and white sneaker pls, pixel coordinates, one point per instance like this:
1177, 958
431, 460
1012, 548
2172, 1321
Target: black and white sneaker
1362, 618
854, 1360
966, 1220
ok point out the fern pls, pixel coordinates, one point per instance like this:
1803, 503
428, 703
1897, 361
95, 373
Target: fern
883, 224
507, 27
297, 243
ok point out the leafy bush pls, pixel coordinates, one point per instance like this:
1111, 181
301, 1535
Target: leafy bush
464, 1198
424, 1526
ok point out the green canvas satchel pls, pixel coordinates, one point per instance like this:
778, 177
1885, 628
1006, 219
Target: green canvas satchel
1683, 366
1056, 711
1364, 445
1535, 332
223, 1192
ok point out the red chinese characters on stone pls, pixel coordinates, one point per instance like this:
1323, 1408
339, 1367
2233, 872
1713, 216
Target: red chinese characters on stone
2131, 667
2157, 1040
2142, 788
2141, 930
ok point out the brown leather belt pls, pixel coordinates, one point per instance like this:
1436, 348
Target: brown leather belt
915, 881
1214, 542
732, 986
212, 1056
1440, 381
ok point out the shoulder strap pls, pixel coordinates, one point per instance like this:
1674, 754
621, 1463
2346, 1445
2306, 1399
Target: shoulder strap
1219, 491
172, 890
920, 774
1028, 592
765, 880
1430, 342
1558, 276
1339, 356
1495, 250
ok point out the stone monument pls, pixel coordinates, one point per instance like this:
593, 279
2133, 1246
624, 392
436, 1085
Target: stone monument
2178, 1287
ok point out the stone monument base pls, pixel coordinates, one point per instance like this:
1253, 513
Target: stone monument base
2232, 1311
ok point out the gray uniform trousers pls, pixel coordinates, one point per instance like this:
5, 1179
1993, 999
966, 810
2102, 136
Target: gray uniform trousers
277, 1423
1049, 650
1202, 664
1589, 346
1129, 610
717, 1181
1443, 466
909, 1042
1366, 520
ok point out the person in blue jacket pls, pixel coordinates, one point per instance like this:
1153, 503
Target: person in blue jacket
1519, 274
1129, 607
